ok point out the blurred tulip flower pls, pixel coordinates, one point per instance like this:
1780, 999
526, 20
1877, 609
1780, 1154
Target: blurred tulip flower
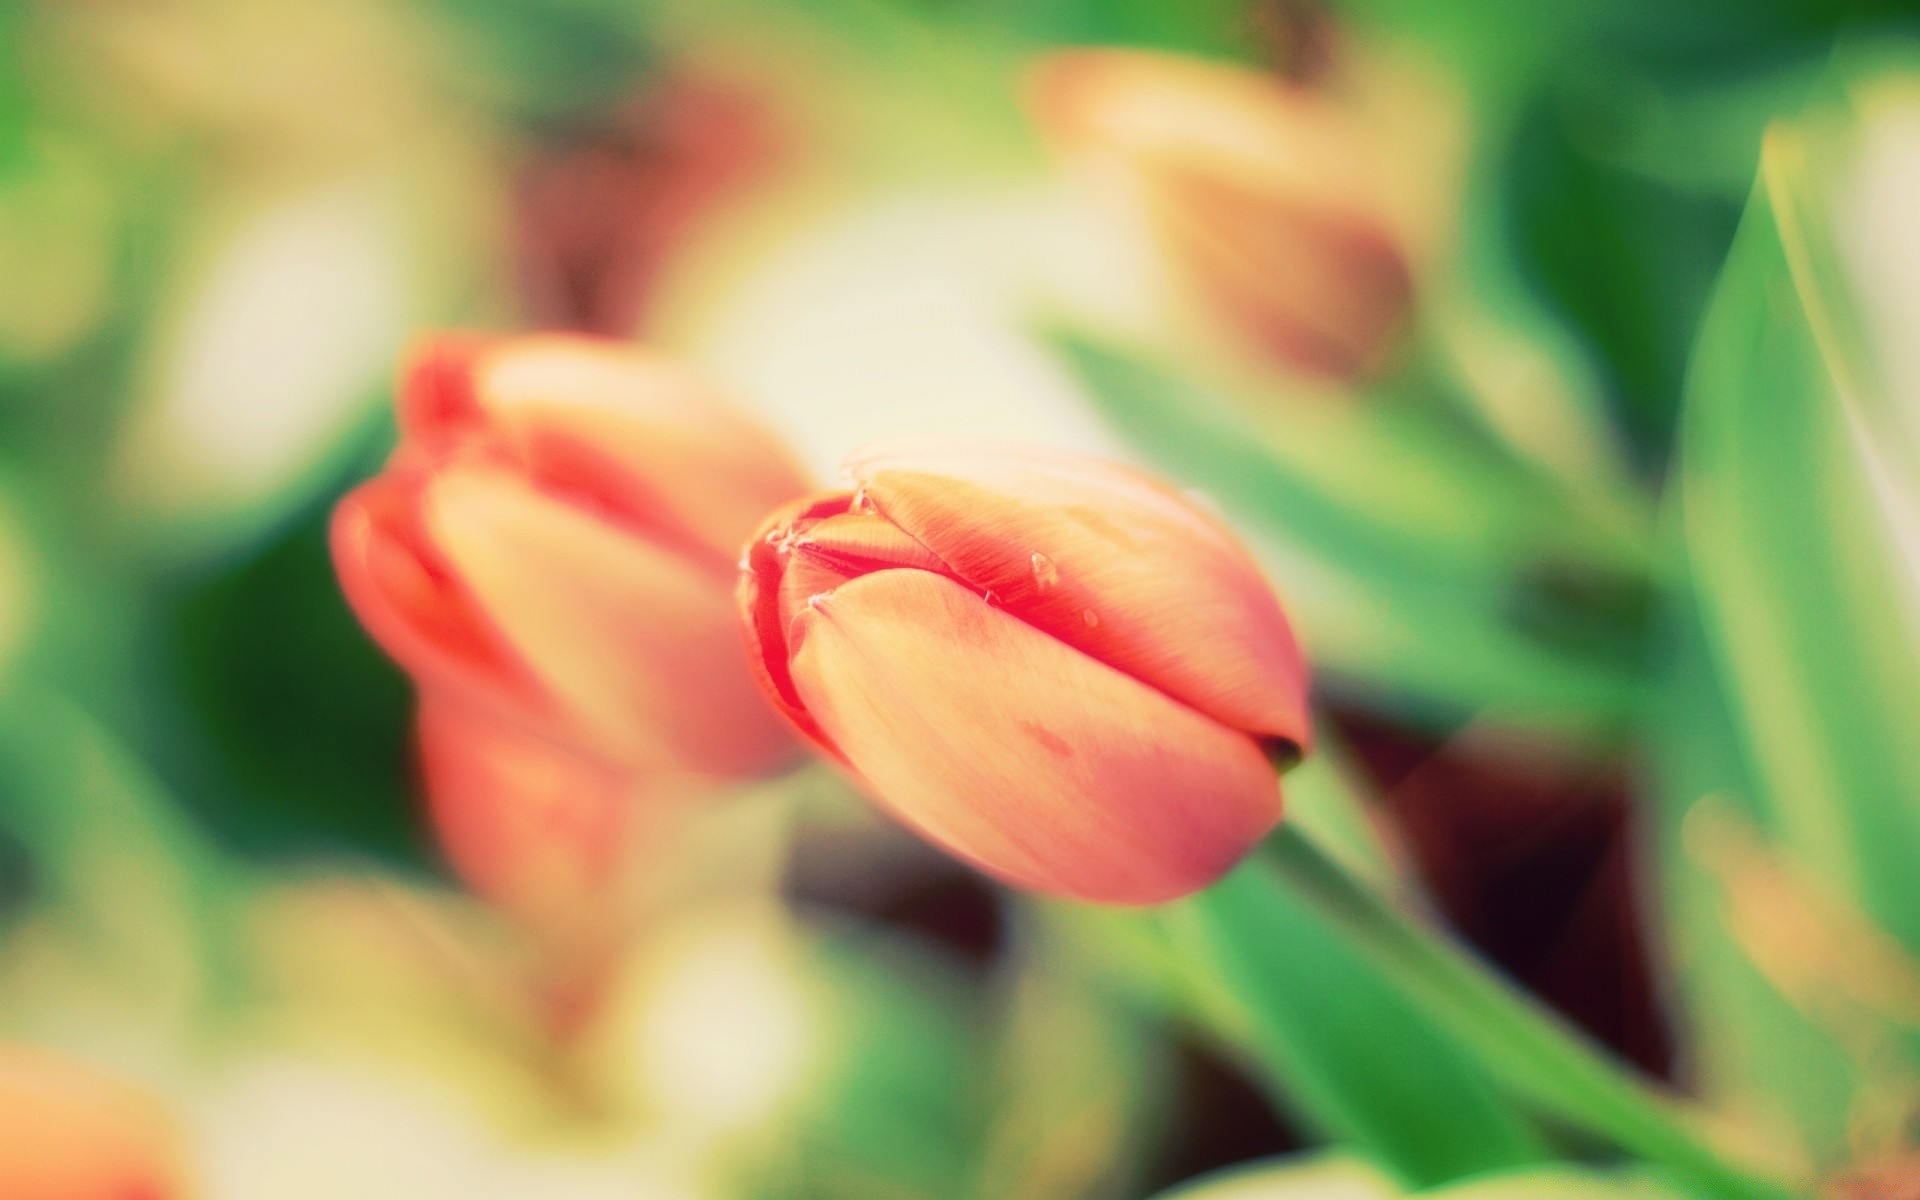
1052, 666
1266, 198
600, 210
69, 1131
550, 554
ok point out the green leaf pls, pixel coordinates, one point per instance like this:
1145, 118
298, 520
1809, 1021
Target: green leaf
1515, 1039
1074, 1101
279, 720
1336, 1038
1807, 597
1753, 1051
1788, 828
895, 1110
140, 911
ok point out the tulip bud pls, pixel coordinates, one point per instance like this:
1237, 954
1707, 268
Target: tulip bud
1054, 667
532, 826
550, 554
1265, 197
70, 1132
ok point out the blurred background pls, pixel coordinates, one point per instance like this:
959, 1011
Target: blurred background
1565, 382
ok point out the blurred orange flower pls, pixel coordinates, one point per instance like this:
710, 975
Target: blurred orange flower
1052, 666
550, 554
600, 210
69, 1131
1267, 198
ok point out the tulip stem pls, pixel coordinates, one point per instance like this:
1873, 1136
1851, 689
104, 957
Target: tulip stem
1543, 1059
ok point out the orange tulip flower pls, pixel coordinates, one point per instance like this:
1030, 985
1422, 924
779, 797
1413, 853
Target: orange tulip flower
71, 1132
1265, 196
1054, 667
550, 555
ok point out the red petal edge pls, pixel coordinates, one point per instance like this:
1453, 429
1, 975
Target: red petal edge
762, 565
380, 551
436, 399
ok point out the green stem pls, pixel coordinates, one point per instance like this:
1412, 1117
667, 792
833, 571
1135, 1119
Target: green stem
1527, 1048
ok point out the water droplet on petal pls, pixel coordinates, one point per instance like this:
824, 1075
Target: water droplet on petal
992, 598
860, 503
1090, 618
1045, 574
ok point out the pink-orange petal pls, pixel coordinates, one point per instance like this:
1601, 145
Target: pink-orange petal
638, 645
757, 595
1109, 561
70, 1131
530, 824
1020, 754
436, 405
410, 602
639, 436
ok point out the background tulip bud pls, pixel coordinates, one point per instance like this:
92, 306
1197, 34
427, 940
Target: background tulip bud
1052, 666
71, 1132
1265, 196
536, 828
550, 554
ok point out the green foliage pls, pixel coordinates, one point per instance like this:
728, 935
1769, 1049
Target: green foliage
291, 725
893, 1108
547, 60
1789, 753
1342, 1046
144, 906
1802, 585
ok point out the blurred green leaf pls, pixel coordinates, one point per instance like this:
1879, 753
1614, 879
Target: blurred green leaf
13, 87
1259, 968
1611, 144
1804, 592
291, 727
1075, 1086
1626, 260
1216, 28
1335, 1036
145, 905
1755, 1055
1486, 1020
897, 1112
1786, 739
549, 60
